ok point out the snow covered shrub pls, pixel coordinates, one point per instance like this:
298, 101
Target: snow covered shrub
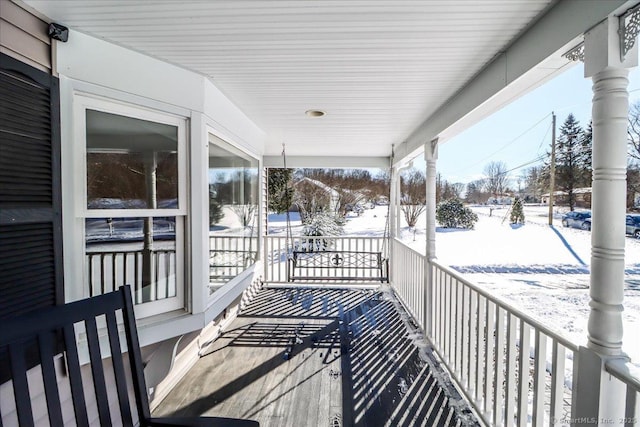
452, 214
321, 224
517, 214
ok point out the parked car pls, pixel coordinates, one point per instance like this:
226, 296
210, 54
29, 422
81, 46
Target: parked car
633, 225
577, 219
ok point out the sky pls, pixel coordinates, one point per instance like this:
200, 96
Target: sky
521, 132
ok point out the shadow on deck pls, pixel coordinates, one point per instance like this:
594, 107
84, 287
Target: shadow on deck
320, 357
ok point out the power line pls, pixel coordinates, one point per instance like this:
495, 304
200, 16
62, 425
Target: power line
506, 145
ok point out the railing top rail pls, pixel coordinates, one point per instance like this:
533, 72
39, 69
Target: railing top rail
342, 237
625, 371
510, 308
408, 248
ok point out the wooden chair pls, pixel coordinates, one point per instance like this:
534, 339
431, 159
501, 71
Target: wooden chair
40, 352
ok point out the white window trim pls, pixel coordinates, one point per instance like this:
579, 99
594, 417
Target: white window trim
213, 135
82, 102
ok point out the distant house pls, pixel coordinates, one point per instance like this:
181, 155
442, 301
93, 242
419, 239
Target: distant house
324, 196
582, 197
502, 199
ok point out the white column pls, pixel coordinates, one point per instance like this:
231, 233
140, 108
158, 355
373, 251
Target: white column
431, 157
394, 202
596, 396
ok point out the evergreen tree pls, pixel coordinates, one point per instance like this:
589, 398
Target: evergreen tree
517, 214
572, 158
453, 214
586, 154
324, 225
280, 190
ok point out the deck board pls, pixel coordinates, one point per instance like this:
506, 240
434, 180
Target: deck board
318, 357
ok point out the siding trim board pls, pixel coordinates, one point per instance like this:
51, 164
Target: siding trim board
24, 36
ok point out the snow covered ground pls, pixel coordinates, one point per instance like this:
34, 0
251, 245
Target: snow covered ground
542, 270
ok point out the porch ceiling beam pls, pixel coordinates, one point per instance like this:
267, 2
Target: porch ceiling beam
514, 72
327, 162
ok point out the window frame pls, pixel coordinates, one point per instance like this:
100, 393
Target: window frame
83, 102
213, 138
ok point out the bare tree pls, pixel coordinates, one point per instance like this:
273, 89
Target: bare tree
633, 130
496, 177
413, 198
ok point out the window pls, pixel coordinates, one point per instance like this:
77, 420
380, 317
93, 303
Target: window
134, 210
233, 212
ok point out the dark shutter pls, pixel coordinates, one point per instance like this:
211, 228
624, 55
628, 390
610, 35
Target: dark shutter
30, 200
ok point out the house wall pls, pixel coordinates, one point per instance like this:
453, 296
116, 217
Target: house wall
24, 37
94, 68
90, 67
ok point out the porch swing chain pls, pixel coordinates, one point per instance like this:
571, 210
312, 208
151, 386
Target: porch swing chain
387, 225
289, 235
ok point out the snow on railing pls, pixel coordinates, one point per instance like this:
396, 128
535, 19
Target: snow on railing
482, 341
277, 252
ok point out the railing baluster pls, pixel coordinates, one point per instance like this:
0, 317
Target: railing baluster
498, 401
511, 384
464, 335
481, 344
456, 328
102, 274
473, 333
114, 280
90, 275
523, 374
449, 318
539, 378
557, 382
489, 358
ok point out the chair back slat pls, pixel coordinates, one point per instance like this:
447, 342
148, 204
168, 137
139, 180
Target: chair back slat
46, 343
97, 372
135, 358
75, 377
20, 383
118, 369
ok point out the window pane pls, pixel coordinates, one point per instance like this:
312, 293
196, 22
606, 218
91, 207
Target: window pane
233, 212
131, 163
140, 252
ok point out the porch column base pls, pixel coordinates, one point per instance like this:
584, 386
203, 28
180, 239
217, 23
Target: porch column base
598, 398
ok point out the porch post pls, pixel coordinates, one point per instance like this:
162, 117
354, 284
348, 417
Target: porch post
431, 157
596, 395
393, 201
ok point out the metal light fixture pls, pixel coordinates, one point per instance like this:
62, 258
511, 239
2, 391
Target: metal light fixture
58, 32
314, 113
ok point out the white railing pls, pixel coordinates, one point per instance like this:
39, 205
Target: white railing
629, 375
278, 250
407, 278
107, 271
513, 369
231, 255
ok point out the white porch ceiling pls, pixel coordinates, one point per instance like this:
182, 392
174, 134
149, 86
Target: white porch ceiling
378, 69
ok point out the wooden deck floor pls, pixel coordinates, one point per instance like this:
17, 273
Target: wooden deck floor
319, 357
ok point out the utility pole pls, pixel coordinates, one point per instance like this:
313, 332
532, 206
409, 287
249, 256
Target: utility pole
552, 180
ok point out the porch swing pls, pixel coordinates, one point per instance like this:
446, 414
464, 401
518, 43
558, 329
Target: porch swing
325, 258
